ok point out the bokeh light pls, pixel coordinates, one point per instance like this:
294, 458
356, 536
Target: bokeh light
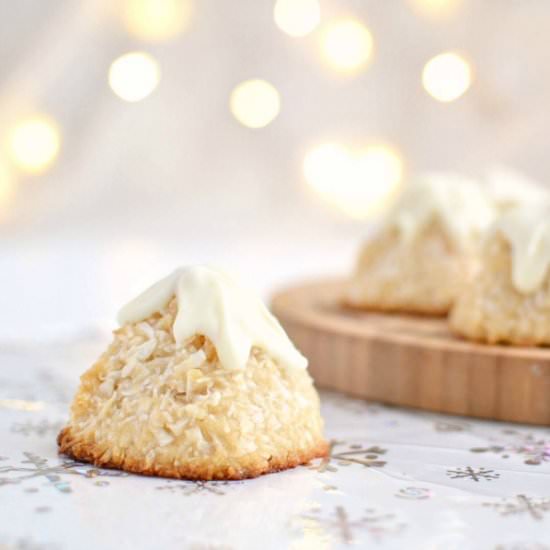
297, 17
347, 45
255, 103
7, 188
446, 76
157, 20
361, 184
134, 76
436, 9
34, 144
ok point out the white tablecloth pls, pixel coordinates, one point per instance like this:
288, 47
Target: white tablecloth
395, 479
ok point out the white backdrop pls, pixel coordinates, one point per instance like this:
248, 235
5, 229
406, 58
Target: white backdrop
139, 187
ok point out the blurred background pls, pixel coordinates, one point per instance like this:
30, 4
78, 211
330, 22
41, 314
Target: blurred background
262, 136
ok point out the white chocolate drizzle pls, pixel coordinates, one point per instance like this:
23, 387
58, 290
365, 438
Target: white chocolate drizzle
509, 189
212, 304
459, 204
527, 229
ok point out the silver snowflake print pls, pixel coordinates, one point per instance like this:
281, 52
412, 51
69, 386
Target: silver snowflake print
189, 488
368, 457
534, 449
414, 493
44, 427
376, 524
535, 507
58, 475
475, 474
450, 426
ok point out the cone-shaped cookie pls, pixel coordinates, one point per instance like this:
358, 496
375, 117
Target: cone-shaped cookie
424, 251
200, 382
508, 300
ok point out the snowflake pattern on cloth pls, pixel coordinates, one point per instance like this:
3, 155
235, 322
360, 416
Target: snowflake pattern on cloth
392, 479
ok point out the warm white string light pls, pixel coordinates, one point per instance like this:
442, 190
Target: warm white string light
134, 76
7, 188
347, 45
156, 20
34, 143
436, 9
359, 183
446, 76
297, 17
255, 103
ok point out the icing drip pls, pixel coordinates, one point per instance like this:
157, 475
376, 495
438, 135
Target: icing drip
527, 229
509, 189
459, 204
214, 305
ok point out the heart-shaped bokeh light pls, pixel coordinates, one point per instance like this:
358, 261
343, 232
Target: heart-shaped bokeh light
359, 182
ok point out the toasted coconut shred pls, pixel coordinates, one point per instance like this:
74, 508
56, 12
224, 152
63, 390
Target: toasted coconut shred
152, 406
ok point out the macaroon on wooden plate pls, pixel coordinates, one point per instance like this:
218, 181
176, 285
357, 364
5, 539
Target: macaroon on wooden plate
412, 361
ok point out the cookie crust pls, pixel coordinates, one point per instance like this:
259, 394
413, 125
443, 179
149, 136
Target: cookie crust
204, 470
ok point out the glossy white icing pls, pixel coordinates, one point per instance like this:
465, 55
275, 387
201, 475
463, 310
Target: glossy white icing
527, 229
509, 189
212, 304
461, 206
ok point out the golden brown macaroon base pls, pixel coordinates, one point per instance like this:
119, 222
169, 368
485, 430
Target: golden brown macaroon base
203, 470
491, 310
422, 276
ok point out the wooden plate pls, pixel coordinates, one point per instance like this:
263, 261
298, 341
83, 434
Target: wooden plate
412, 361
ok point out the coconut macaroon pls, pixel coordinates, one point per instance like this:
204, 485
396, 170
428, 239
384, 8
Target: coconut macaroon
508, 301
425, 249
200, 382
